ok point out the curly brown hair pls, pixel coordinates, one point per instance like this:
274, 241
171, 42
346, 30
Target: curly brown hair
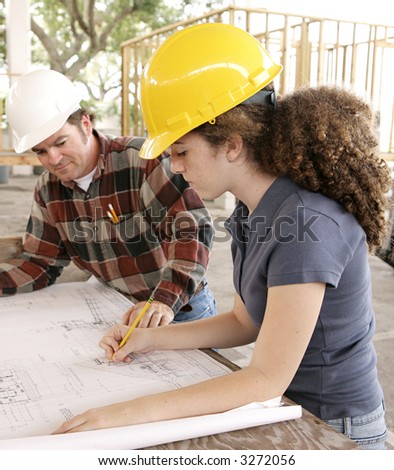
324, 138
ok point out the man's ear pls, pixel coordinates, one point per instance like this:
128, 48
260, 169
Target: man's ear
86, 124
234, 146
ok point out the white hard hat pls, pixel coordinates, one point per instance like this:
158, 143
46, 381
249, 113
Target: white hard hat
38, 105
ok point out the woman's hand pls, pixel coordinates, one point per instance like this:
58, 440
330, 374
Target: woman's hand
137, 342
158, 314
109, 416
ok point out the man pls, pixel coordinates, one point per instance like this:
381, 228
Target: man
129, 222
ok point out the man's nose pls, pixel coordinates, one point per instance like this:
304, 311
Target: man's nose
54, 156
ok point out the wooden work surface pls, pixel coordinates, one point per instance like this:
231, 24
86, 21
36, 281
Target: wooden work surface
305, 433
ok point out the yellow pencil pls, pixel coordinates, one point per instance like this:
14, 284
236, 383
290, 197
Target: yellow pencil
113, 213
111, 217
136, 321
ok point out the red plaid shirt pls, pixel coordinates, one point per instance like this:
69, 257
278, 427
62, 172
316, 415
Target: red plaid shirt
161, 244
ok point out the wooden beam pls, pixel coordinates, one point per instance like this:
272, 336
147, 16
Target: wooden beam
9, 157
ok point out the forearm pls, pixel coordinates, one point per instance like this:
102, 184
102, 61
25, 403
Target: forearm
182, 274
212, 396
42, 256
189, 230
225, 330
30, 272
221, 331
26, 276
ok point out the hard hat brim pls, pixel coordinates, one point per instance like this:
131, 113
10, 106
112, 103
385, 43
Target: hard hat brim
154, 145
29, 141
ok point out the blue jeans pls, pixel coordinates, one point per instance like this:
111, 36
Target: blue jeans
201, 305
368, 431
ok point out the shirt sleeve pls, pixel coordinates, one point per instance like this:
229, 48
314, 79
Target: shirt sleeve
43, 257
184, 225
310, 247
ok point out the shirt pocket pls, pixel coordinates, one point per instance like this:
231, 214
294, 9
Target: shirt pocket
136, 235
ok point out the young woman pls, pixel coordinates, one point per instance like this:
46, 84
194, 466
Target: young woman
311, 191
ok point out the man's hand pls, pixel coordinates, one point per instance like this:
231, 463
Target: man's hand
158, 314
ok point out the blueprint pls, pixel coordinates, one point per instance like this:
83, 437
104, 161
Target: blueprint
51, 367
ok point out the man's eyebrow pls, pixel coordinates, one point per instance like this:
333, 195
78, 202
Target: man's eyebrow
55, 142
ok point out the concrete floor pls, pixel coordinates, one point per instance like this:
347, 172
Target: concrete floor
15, 200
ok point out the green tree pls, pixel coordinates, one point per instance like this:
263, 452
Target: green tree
81, 38
72, 32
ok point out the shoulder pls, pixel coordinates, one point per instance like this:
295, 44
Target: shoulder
127, 148
329, 213
318, 224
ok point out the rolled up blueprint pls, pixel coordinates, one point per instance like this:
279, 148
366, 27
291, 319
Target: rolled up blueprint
161, 432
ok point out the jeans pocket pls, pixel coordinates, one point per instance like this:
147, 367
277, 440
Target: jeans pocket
368, 431
202, 305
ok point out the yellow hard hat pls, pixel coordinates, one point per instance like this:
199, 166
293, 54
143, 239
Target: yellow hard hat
197, 74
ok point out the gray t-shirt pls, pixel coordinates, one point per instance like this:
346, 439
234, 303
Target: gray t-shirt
297, 236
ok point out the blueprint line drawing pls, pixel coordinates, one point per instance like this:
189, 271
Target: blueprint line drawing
51, 367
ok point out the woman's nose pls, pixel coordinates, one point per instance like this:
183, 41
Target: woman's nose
177, 165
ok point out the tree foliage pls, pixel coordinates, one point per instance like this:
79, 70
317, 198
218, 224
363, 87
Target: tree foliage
73, 32
82, 38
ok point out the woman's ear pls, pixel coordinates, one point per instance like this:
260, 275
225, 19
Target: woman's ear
234, 147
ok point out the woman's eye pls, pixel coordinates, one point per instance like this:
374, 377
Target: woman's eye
175, 151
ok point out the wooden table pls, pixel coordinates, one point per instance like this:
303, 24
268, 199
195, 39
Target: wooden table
305, 433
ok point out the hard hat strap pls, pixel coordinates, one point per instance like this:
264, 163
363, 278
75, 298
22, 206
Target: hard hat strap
263, 97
